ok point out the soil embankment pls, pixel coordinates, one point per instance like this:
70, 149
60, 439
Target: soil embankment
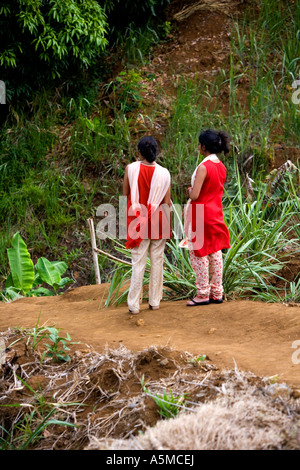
253, 336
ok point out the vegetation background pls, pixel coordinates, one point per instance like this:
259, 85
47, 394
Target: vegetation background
85, 80
82, 89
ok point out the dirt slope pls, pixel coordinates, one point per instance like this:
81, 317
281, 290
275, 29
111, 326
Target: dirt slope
254, 336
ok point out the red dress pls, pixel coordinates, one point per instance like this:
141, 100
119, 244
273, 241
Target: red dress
157, 227
216, 233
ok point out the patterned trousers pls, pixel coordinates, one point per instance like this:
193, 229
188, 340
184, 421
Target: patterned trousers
204, 266
139, 259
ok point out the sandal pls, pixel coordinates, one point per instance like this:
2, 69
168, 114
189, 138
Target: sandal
215, 301
195, 304
133, 313
153, 308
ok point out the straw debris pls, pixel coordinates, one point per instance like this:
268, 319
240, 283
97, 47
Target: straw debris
101, 397
225, 6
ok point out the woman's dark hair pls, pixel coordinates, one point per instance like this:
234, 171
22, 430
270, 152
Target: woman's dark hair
148, 147
215, 141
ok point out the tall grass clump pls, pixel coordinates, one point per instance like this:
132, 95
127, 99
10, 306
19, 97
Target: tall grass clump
266, 51
260, 240
136, 43
103, 144
194, 109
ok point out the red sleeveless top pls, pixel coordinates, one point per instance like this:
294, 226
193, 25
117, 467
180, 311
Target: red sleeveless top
216, 234
158, 226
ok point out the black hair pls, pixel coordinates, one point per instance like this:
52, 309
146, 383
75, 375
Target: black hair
215, 141
148, 147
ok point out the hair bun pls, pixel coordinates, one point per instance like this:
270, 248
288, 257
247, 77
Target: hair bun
215, 141
148, 148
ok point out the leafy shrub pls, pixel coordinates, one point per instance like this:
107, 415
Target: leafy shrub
25, 279
48, 37
121, 13
127, 91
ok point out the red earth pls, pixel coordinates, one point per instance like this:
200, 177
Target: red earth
252, 336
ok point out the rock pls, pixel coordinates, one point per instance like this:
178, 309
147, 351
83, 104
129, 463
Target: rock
140, 322
164, 362
279, 391
211, 331
296, 393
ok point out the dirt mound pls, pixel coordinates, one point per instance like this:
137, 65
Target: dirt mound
198, 48
106, 399
258, 337
243, 416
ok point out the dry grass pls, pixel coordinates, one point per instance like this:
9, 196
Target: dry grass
101, 393
224, 6
241, 417
246, 424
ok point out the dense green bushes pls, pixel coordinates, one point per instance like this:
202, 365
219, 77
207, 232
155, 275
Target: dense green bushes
43, 39
121, 13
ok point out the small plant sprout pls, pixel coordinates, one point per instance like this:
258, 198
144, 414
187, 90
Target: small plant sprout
57, 351
169, 405
197, 360
34, 335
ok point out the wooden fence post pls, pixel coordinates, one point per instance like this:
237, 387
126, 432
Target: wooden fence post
94, 246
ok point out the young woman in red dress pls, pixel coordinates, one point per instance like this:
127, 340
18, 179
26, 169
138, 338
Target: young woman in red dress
147, 185
207, 231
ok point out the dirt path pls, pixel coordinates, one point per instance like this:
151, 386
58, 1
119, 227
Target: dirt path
255, 336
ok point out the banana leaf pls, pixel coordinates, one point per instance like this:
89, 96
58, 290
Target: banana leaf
21, 265
60, 266
47, 271
41, 291
11, 293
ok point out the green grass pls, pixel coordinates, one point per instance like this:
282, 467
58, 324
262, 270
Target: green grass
30, 422
169, 406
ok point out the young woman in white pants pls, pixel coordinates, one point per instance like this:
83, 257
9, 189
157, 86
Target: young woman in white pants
147, 186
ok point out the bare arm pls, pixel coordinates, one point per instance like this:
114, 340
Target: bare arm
167, 198
199, 180
126, 187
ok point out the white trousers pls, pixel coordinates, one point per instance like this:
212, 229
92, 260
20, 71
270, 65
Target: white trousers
139, 259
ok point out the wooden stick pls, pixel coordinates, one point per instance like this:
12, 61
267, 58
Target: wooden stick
108, 255
94, 247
